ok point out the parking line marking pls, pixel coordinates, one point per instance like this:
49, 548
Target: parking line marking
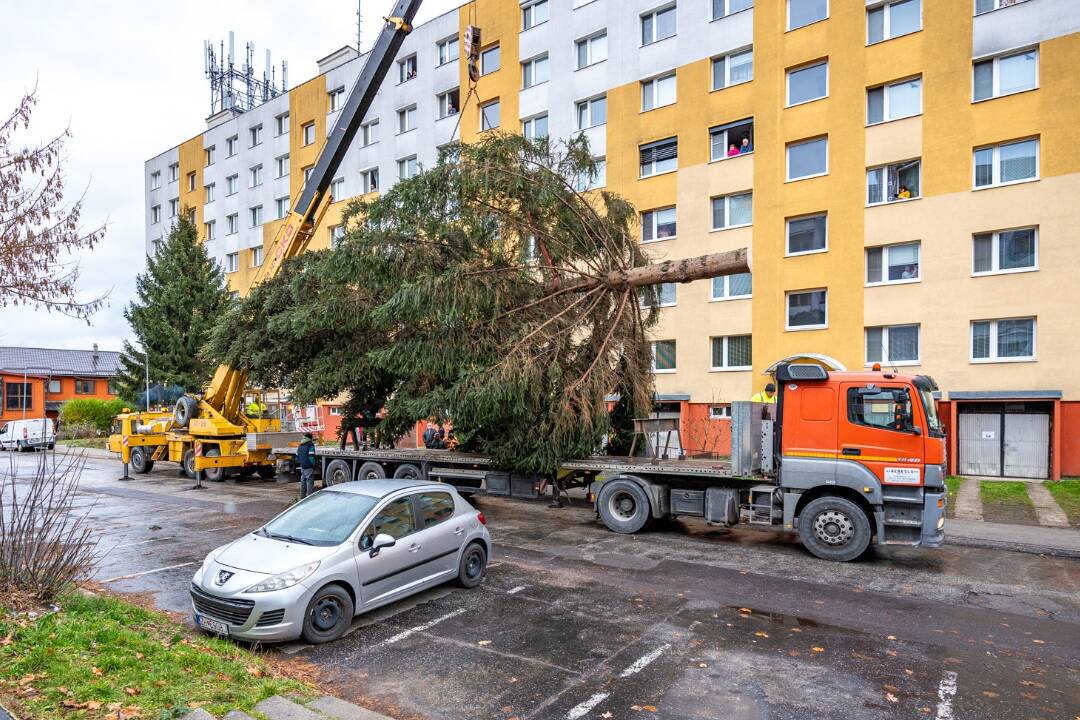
579, 711
515, 590
945, 692
148, 572
642, 662
420, 628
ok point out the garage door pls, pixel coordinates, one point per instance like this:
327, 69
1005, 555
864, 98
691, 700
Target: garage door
980, 444
1005, 444
1027, 438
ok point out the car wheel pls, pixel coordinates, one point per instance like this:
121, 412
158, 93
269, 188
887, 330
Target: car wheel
328, 615
188, 463
472, 566
371, 471
213, 474
407, 472
623, 506
140, 461
834, 528
338, 471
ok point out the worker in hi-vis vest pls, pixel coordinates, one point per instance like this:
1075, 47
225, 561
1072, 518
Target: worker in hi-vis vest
255, 409
768, 395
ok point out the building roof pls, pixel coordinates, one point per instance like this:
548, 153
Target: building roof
48, 361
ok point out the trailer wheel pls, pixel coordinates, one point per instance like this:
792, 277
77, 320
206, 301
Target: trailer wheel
338, 471
407, 471
186, 408
623, 506
213, 474
140, 463
188, 462
834, 528
266, 471
371, 471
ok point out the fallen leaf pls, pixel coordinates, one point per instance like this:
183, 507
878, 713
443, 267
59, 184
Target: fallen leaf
745, 610
762, 633
818, 649
891, 698
891, 637
97, 671
796, 629
27, 679
73, 705
93, 705
990, 694
607, 715
64, 691
254, 671
702, 665
507, 709
891, 688
635, 707
1027, 696
132, 690
890, 653
793, 653
908, 672
10, 638
139, 656
1032, 683
513, 679
648, 708
483, 642
1039, 642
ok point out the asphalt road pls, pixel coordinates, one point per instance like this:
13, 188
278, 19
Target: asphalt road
685, 621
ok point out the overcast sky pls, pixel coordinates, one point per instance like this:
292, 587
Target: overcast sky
126, 76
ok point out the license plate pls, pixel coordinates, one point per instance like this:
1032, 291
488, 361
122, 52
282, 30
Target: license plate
211, 625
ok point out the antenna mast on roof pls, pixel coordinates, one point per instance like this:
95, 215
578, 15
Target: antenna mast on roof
238, 89
359, 27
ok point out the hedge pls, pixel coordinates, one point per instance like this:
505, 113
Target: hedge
89, 411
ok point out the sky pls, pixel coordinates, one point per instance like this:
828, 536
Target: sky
126, 78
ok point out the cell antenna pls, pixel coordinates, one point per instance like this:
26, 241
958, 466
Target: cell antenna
239, 89
359, 26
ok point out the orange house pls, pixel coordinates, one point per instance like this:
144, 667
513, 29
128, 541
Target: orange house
37, 381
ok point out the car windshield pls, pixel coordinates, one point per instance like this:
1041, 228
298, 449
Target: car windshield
930, 407
325, 518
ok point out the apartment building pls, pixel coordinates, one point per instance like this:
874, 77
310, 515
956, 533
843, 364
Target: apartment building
903, 171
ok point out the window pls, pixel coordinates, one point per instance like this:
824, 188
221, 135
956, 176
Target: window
591, 50
882, 408
449, 102
155, 180
658, 157
231, 144
174, 172
232, 224
732, 352
982, 6
336, 97
369, 133
395, 520
255, 135
534, 72
435, 507
407, 68
801, 13
728, 70
191, 215
307, 172
535, 127
369, 179
489, 115
730, 140
657, 92
732, 211
663, 356
281, 207
407, 167
1007, 163
809, 158
232, 262
1005, 251
1003, 340
807, 234
255, 176
892, 102
596, 179
658, 224
731, 287
719, 412
112, 387
337, 233
489, 60
20, 396
892, 345
448, 50
232, 184
807, 83
893, 264
887, 20
281, 166
723, 8
256, 215
658, 25
662, 295
256, 256
807, 309
591, 112
174, 207
899, 181
309, 133
210, 229
281, 124
209, 155
337, 189
210, 192
406, 119
191, 182
1006, 75
155, 214
53, 387
533, 13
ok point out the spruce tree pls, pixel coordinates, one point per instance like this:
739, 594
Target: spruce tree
179, 297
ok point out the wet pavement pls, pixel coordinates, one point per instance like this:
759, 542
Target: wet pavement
684, 621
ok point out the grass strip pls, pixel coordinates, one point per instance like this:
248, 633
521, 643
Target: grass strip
952, 486
1067, 494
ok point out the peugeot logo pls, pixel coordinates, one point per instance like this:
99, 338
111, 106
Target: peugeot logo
223, 577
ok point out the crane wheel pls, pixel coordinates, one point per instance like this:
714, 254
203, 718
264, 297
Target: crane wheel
140, 461
187, 407
188, 463
213, 474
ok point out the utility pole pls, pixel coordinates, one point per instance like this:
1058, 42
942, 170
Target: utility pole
146, 356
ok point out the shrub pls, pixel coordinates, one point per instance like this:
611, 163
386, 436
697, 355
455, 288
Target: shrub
90, 411
77, 431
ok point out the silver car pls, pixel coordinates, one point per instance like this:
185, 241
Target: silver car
336, 554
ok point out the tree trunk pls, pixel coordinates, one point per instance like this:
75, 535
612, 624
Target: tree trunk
732, 262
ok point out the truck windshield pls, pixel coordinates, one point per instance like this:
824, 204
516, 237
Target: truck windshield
930, 407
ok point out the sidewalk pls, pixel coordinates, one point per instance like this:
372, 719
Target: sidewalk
1061, 542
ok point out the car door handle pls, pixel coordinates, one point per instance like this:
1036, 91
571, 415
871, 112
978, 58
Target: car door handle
414, 548
459, 530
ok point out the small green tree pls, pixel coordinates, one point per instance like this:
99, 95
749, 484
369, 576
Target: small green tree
179, 297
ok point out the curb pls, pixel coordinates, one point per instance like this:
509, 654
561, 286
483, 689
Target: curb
1026, 548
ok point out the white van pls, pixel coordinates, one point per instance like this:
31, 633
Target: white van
28, 434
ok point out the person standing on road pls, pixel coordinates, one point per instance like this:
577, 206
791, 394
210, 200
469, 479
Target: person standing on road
305, 458
767, 396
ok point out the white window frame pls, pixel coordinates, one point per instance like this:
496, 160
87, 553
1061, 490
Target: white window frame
255, 135
232, 262
307, 134
788, 327
281, 124
665, 371
443, 103
210, 230
886, 8
727, 296
403, 165
994, 358
787, 234
528, 126
442, 55
255, 215
528, 14
155, 180
797, 143
653, 14
725, 353
886, 114
337, 189
885, 250
995, 253
403, 68
529, 67
642, 175
749, 50
884, 349
369, 179
230, 145
257, 256
787, 16
337, 232
803, 68
653, 224
659, 296
209, 154
998, 5
210, 192
885, 184
281, 165
484, 125
255, 176
727, 211
598, 179
406, 119
719, 412
174, 172
174, 207
232, 224
588, 103
724, 129
334, 99
369, 133
484, 54
995, 60
996, 165
232, 184
155, 214
281, 205
728, 12
650, 86
191, 181
587, 43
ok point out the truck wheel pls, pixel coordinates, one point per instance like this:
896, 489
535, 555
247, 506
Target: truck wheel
623, 506
140, 461
407, 472
338, 471
188, 463
371, 471
214, 474
186, 408
834, 528
266, 471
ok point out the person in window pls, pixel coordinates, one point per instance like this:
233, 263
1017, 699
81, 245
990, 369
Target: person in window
746, 146
452, 110
904, 193
733, 150
910, 272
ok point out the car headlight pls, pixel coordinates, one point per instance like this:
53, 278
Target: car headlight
285, 579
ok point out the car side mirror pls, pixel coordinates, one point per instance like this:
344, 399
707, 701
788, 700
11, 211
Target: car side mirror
381, 540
